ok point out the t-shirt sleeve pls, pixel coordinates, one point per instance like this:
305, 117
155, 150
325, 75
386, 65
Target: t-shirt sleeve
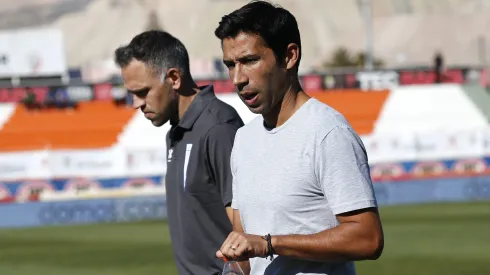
233, 167
219, 142
343, 171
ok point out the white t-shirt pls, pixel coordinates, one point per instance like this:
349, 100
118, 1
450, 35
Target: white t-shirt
295, 178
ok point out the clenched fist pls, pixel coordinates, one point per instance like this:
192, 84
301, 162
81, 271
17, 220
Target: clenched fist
240, 247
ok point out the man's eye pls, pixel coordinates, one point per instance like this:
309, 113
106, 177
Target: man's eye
141, 94
251, 61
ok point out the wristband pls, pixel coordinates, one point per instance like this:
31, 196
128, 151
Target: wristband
270, 252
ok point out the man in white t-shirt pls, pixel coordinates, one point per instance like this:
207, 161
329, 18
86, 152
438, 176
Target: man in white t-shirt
303, 198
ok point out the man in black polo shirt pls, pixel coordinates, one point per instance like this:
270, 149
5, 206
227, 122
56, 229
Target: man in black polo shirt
155, 69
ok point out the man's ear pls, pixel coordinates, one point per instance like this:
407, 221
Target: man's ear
292, 56
175, 78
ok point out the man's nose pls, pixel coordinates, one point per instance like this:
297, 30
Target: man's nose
240, 79
138, 102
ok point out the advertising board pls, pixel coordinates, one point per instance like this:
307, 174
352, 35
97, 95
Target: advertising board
36, 214
433, 190
111, 162
22, 190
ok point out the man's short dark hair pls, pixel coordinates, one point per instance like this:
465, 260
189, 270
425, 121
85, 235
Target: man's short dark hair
276, 25
157, 49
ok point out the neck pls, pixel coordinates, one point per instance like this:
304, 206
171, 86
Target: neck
185, 96
293, 99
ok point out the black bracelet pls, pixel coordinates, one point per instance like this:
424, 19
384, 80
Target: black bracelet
269, 247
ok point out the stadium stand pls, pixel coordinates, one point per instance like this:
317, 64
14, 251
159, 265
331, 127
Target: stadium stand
92, 125
404, 110
6, 111
73, 152
479, 97
422, 108
100, 149
139, 132
361, 109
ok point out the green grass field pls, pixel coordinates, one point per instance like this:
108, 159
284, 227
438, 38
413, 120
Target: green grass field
448, 239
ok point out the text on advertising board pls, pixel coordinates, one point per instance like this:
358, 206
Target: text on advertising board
100, 212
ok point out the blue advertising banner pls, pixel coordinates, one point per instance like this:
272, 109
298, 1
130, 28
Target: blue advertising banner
35, 214
433, 190
82, 212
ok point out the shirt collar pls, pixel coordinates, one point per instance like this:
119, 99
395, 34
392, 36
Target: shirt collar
197, 106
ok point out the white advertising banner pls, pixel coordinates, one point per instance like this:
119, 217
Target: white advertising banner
146, 161
486, 141
32, 52
109, 162
388, 148
434, 145
22, 165
119, 161
462, 144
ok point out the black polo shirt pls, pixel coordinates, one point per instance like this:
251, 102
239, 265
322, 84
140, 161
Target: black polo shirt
199, 182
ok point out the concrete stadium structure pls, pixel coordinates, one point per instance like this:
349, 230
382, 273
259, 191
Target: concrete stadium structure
406, 32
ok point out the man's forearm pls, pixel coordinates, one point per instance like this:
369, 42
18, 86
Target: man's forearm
229, 212
346, 242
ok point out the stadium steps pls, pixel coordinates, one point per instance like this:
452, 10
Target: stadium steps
361, 109
479, 97
140, 133
91, 125
6, 111
428, 108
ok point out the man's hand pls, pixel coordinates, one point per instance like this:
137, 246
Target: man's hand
240, 247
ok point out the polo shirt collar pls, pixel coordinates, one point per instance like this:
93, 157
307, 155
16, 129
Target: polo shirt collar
197, 106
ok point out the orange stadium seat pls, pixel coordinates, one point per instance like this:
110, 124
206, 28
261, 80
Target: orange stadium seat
360, 108
91, 125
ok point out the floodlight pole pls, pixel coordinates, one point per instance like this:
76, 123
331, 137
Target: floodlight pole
366, 9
